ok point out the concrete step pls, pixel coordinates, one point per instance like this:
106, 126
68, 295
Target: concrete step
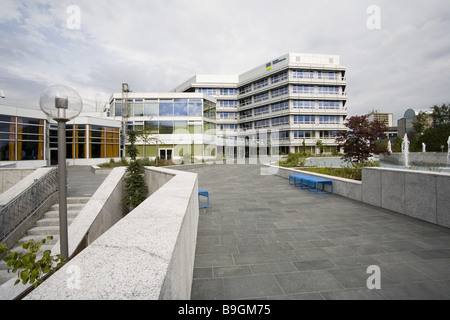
78, 200
43, 231
39, 238
71, 214
39, 254
5, 276
51, 222
3, 265
70, 207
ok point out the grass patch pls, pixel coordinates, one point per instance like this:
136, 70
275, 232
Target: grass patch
350, 171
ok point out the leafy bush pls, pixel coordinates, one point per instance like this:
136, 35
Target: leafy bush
293, 160
28, 269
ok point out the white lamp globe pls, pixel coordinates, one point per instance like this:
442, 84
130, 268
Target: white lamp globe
61, 102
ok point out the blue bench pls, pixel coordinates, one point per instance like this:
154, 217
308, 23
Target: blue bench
205, 194
293, 178
310, 183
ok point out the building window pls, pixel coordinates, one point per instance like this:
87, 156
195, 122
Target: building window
227, 103
327, 75
303, 134
118, 108
76, 141
329, 119
21, 138
328, 104
281, 135
137, 108
280, 92
103, 142
280, 106
328, 90
262, 124
279, 77
228, 115
208, 91
280, 121
261, 84
151, 108
246, 126
261, 111
246, 114
245, 89
195, 108
328, 134
245, 102
166, 108
304, 104
166, 127
261, 97
180, 107
303, 89
304, 119
228, 92
303, 74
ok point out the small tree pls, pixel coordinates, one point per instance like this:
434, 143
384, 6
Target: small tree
359, 141
136, 189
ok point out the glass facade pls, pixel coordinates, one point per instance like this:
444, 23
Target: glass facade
21, 138
103, 142
87, 141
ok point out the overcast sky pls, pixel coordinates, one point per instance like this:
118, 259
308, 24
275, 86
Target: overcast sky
396, 58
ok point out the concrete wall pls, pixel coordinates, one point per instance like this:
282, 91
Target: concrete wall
419, 194
102, 211
418, 159
10, 177
148, 255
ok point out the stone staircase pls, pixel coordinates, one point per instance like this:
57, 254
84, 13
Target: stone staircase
47, 226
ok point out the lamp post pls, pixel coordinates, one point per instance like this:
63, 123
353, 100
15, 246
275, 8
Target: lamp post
62, 104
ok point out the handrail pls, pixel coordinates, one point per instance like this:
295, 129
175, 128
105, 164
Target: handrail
24, 205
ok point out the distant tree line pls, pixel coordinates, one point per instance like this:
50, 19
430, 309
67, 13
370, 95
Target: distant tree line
431, 128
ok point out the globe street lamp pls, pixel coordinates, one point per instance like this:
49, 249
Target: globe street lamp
62, 104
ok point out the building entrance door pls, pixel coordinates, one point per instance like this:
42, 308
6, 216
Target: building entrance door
165, 154
53, 157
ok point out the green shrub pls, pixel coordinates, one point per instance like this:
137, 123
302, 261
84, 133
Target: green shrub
30, 270
350, 171
293, 160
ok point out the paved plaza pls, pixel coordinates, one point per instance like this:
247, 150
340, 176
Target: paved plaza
264, 239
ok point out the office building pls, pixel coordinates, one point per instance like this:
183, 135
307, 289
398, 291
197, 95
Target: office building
285, 105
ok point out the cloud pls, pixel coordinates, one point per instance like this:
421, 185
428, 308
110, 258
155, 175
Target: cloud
156, 45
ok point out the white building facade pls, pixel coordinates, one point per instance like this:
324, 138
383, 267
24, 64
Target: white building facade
294, 103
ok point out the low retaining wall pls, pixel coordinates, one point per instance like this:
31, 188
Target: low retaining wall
418, 159
10, 177
149, 254
418, 194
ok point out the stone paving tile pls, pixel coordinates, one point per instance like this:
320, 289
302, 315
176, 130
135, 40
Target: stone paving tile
264, 239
